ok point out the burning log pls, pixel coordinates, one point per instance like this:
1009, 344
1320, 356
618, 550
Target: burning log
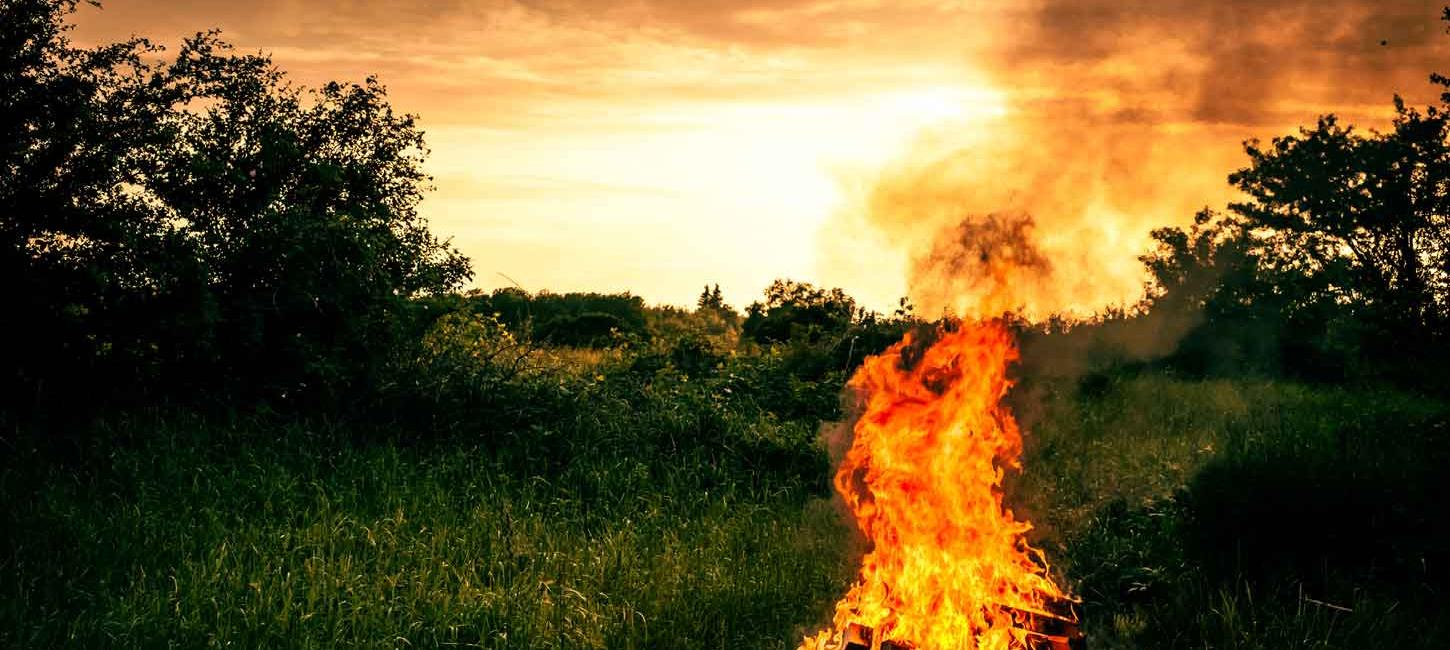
1056, 628
858, 637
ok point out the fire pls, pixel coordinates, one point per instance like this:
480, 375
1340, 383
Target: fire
949, 565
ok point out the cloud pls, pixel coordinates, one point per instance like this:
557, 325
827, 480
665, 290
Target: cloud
1248, 62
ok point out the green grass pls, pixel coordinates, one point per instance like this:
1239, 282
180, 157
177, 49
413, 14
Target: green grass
1244, 514
196, 537
673, 514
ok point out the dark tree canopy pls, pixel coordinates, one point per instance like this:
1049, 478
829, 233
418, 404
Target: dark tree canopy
1363, 216
798, 310
199, 218
1338, 260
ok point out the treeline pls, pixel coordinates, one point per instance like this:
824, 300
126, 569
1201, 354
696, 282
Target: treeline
194, 228
574, 319
819, 331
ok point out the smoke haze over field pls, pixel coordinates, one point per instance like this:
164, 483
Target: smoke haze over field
653, 146
1123, 117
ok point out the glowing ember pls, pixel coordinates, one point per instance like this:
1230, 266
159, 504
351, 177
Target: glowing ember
949, 567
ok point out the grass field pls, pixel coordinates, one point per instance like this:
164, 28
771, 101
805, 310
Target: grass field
198, 539
1187, 514
1245, 514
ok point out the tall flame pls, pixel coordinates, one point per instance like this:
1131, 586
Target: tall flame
923, 477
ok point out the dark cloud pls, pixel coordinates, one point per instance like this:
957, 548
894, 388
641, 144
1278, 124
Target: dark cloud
1233, 61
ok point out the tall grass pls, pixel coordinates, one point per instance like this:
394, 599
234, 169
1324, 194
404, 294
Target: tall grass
613, 501
1244, 514
200, 536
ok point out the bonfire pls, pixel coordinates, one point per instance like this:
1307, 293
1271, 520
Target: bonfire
949, 567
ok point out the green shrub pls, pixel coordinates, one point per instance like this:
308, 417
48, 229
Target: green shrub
590, 329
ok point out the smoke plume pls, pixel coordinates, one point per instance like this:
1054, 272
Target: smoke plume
1123, 116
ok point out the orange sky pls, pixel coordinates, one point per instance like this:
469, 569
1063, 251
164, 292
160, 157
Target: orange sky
654, 146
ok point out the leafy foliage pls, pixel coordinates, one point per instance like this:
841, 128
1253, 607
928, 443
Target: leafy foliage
576, 319
798, 311
201, 223
1362, 218
1336, 265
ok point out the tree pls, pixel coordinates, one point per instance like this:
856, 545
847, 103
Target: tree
1362, 217
1210, 286
711, 299
202, 220
795, 310
714, 316
1338, 258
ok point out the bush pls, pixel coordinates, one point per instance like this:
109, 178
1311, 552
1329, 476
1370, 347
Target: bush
590, 329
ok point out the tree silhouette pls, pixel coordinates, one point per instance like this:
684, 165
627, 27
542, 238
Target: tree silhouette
1339, 256
202, 220
795, 310
711, 298
1363, 217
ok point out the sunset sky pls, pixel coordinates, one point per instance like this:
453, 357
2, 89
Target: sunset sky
655, 146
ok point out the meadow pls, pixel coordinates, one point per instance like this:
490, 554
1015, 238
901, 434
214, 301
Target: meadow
618, 506
250, 400
645, 507
1245, 513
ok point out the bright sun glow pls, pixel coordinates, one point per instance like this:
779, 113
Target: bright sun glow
942, 103
741, 181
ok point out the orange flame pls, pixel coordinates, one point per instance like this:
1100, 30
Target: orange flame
923, 478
